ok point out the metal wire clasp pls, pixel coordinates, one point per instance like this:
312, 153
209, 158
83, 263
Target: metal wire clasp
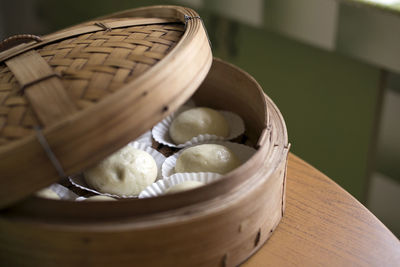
46, 147
103, 26
26, 85
187, 18
18, 39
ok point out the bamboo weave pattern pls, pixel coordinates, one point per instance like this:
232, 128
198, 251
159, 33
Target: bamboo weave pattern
91, 66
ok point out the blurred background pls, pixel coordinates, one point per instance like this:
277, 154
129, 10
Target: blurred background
332, 67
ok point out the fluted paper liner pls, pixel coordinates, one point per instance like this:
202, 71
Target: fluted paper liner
159, 188
145, 138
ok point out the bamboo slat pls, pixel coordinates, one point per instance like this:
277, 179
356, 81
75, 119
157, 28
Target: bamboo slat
42, 88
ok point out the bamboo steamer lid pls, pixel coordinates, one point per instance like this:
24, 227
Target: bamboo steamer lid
69, 99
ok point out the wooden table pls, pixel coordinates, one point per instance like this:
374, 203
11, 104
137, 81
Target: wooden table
324, 225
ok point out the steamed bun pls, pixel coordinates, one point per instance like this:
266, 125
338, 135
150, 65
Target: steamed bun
47, 193
100, 198
126, 172
207, 158
196, 121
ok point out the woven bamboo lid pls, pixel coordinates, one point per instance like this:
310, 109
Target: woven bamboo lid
69, 99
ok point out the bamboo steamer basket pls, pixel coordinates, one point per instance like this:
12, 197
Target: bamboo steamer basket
79, 123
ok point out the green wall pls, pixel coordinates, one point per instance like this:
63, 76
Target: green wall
328, 100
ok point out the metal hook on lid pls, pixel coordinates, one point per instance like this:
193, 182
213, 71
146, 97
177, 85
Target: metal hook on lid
187, 18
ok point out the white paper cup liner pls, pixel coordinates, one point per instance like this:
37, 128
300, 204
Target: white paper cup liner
243, 153
161, 130
145, 138
159, 158
63, 192
158, 188
190, 103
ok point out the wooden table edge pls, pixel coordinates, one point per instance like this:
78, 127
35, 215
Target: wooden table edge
324, 225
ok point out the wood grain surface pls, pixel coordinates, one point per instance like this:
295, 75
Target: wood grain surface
323, 225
